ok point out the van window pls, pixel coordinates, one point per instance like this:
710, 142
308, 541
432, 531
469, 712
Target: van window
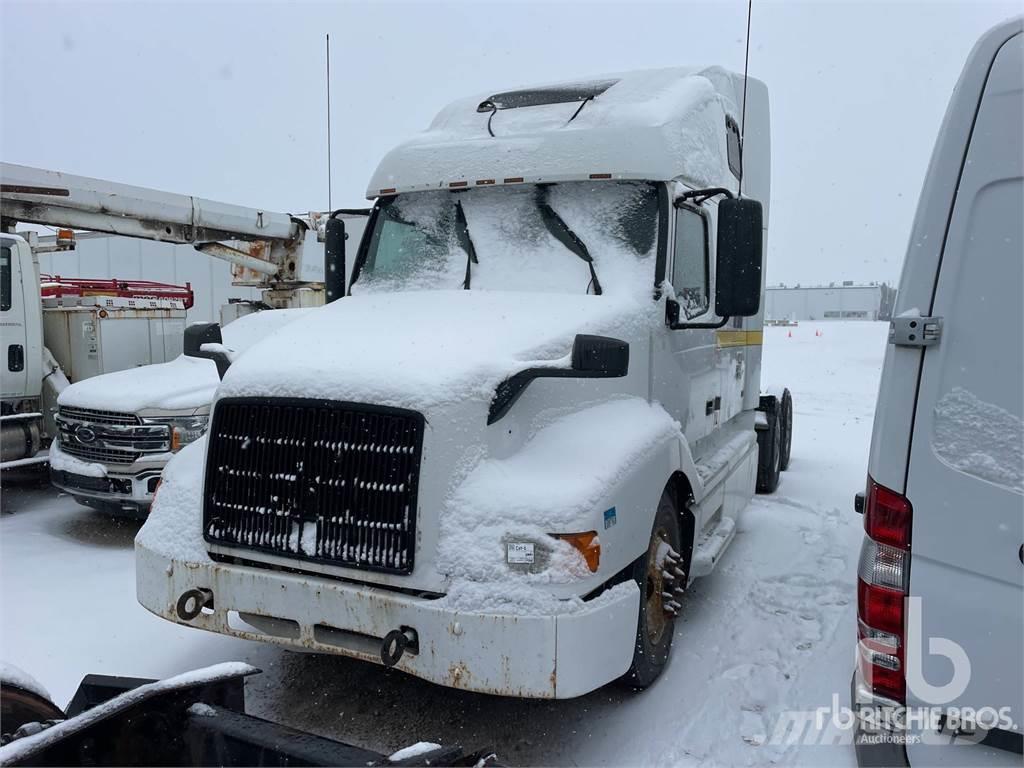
5, 279
690, 262
732, 137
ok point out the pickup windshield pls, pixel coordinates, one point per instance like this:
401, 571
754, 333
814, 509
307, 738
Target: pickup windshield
575, 237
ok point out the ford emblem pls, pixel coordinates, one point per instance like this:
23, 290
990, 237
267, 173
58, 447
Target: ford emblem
85, 435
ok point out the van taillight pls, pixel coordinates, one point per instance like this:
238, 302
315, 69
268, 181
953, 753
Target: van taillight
883, 574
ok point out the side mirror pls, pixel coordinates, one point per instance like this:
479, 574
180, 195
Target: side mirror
334, 260
198, 334
593, 357
739, 260
600, 356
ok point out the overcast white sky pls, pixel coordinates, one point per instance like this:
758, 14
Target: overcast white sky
226, 100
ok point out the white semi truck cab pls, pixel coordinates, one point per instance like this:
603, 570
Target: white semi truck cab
499, 460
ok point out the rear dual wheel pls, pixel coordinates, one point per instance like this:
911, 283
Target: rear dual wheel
775, 442
786, 422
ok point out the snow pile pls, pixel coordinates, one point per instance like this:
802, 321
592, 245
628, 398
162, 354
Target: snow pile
23, 748
62, 462
414, 750
182, 383
980, 439
15, 676
175, 525
422, 350
553, 484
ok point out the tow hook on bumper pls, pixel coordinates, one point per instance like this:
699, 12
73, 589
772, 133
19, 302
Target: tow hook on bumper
397, 642
191, 603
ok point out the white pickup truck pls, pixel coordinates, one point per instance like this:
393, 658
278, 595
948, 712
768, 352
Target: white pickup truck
498, 462
116, 432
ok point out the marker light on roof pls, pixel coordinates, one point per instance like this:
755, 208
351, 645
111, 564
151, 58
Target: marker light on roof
514, 180
600, 175
484, 182
458, 184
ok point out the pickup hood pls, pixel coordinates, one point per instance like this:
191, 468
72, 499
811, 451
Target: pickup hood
182, 384
423, 350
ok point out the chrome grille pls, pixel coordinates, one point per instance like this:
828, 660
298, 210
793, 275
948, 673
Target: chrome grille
98, 417
109, 437
314, 480
98, 453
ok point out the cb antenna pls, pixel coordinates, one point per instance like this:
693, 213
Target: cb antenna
743, 114
329, 200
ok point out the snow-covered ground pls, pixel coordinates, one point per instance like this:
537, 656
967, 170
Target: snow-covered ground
771, 631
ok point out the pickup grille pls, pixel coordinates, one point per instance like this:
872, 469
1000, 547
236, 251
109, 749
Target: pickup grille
314, 480
109, 437
98, 417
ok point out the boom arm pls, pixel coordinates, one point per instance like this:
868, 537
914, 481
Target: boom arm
38, 196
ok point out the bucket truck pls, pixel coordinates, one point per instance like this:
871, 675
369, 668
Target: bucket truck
279, 253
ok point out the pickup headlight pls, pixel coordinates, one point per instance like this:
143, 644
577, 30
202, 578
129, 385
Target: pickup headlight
184, 429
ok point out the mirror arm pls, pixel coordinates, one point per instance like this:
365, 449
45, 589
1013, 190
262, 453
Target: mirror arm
220, 359
699, 196
677, 326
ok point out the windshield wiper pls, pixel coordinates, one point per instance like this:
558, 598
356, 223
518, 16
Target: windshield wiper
462, 231
563, 234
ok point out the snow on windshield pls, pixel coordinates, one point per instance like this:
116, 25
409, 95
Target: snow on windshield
423, 240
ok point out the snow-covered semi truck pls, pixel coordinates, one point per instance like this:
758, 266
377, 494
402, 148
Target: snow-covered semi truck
498, 462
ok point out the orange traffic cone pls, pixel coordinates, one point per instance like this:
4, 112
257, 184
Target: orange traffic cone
790, 335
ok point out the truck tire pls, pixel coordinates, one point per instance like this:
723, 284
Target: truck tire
786, 419
656, 618
19, 706
769, 452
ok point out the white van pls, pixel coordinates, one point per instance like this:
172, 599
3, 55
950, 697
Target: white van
939, 595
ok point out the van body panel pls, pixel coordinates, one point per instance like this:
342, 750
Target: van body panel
965, 478
890, 438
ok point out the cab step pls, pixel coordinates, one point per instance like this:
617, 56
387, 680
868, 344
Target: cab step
711, 547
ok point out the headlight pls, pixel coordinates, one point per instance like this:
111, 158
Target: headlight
184, 429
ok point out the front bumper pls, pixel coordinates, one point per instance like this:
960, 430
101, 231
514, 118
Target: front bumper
537, 656
128, 492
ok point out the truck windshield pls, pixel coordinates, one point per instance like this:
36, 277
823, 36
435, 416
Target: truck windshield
550, 238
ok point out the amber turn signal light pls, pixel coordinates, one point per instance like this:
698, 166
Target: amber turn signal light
587, 544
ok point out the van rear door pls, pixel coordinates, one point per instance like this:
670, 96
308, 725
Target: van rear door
966, 462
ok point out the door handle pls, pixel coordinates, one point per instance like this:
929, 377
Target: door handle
15, 358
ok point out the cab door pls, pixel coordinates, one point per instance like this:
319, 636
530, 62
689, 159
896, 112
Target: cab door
13, 339
684, 378
965, 480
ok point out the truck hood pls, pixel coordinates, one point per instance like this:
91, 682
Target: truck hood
185, 383
422, 350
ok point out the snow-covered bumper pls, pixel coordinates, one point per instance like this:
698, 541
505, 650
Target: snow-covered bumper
533, 656
128, 492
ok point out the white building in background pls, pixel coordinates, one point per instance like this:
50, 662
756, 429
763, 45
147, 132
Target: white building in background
128, 258
844, 301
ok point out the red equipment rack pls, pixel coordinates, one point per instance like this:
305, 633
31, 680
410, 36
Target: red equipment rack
57, 286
